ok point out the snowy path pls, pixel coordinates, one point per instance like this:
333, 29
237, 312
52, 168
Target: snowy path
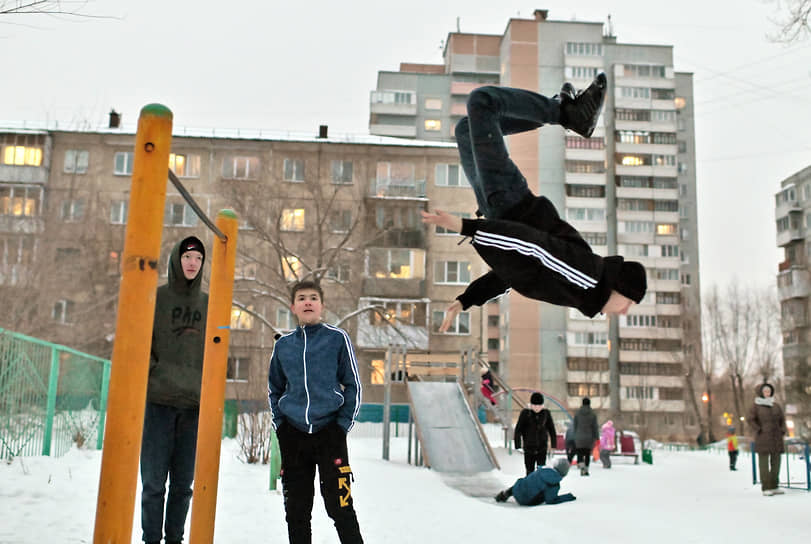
683, 498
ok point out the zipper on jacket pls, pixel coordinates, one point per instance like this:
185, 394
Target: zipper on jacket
306, 389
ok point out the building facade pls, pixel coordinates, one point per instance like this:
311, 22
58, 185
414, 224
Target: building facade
630, 189
344, 210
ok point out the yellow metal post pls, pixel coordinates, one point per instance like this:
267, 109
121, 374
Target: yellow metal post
212, 391
133, 331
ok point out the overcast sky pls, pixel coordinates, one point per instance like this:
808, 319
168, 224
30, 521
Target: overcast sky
293, 65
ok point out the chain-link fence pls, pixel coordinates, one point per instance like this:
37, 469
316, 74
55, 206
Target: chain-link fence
51, 396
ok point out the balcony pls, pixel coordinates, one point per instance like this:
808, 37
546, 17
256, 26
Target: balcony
23, 174
21, 225
794, 283
396, 131
402, 238
394, 287
785, 237
393, 109
382, 188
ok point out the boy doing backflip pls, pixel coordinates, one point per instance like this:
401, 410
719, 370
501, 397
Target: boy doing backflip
527, 245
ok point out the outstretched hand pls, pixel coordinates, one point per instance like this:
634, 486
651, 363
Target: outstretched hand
442, 219
450, 315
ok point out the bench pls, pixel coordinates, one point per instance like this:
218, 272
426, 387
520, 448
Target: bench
627, 449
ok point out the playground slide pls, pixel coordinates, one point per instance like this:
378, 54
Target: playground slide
450, 436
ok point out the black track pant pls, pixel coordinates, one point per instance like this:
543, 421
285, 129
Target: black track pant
301, 454
533, 458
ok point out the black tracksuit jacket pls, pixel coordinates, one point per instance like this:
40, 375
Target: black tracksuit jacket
542, 257
532, 429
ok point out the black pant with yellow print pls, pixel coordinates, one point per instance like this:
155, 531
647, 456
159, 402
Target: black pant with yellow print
301, 453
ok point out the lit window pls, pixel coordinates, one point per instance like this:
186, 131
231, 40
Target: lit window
433, 104
241, 319
433, 124
20, 155
664, 229
632, 160
293, 268
185, 166
20, 200
679, 102
292, 219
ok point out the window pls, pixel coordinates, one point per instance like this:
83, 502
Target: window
665, 229
588, 364
581, 72
185, 166
624, 114
638, 320
341, 172
636, 226
492, 321
682, 167
639, 392
633, 136
460, 325
393, 97
433, 103
667, 138
404, 312
284, 319
684, 233
452, 272
585, 191
444, 231
588, 338
238, 369
240, 168
633, 250
340, 221
179, 215
63, 311
576, 142
662, 116
585, 214
123, 163
292, 270
663, 94
492, 343
292, 219
21, 155
634, 92
339, 272
67, 253
663, 160
433, 124
20, 200
450, 175
72, 210
585, 167
294, 169
667, 274
670, 251
17, 250
118, 212
595, 238
644, 71
395, 173
685, 279
668, 298
76, 161
588, 389
396, 263
682, 146
241, 319
584, 49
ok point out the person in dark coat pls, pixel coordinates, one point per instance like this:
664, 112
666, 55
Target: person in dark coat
533, 426
768, 424
169, 442
523, 239
541, 486
586, 432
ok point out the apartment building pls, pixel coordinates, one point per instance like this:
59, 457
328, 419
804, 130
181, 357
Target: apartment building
793, 218
344, 209
629, 189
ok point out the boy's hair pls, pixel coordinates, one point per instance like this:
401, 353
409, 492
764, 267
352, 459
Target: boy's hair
306, 284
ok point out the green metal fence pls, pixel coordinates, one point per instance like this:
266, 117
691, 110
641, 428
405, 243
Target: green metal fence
51, 396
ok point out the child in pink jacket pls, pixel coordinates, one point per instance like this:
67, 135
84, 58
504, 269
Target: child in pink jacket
607, 444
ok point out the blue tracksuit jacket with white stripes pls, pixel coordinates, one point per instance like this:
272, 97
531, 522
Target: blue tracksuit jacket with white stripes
542, 257
313, 379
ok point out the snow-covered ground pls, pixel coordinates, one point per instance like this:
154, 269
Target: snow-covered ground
683, 497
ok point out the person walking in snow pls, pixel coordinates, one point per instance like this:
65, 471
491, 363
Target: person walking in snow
531, 431
607, 443
539, 487
169, 442
732, 447
586, 433
527, 245
314, 392
768, 424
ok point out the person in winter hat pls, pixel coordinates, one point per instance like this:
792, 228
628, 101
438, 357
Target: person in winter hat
541, 486
314, 391
522, 237
531, 431
586, 433
488, 387
169, 442
732, 447
607, 443
768, 424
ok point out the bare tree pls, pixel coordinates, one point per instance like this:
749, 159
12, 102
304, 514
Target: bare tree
792, 20
693, 365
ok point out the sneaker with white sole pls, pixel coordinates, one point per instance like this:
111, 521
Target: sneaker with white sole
768, 492
778, 492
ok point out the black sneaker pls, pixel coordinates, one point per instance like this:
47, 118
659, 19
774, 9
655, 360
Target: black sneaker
502, 497
581, 114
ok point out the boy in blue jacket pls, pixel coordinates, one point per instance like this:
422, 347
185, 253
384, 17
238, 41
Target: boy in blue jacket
315, 394
541, 486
